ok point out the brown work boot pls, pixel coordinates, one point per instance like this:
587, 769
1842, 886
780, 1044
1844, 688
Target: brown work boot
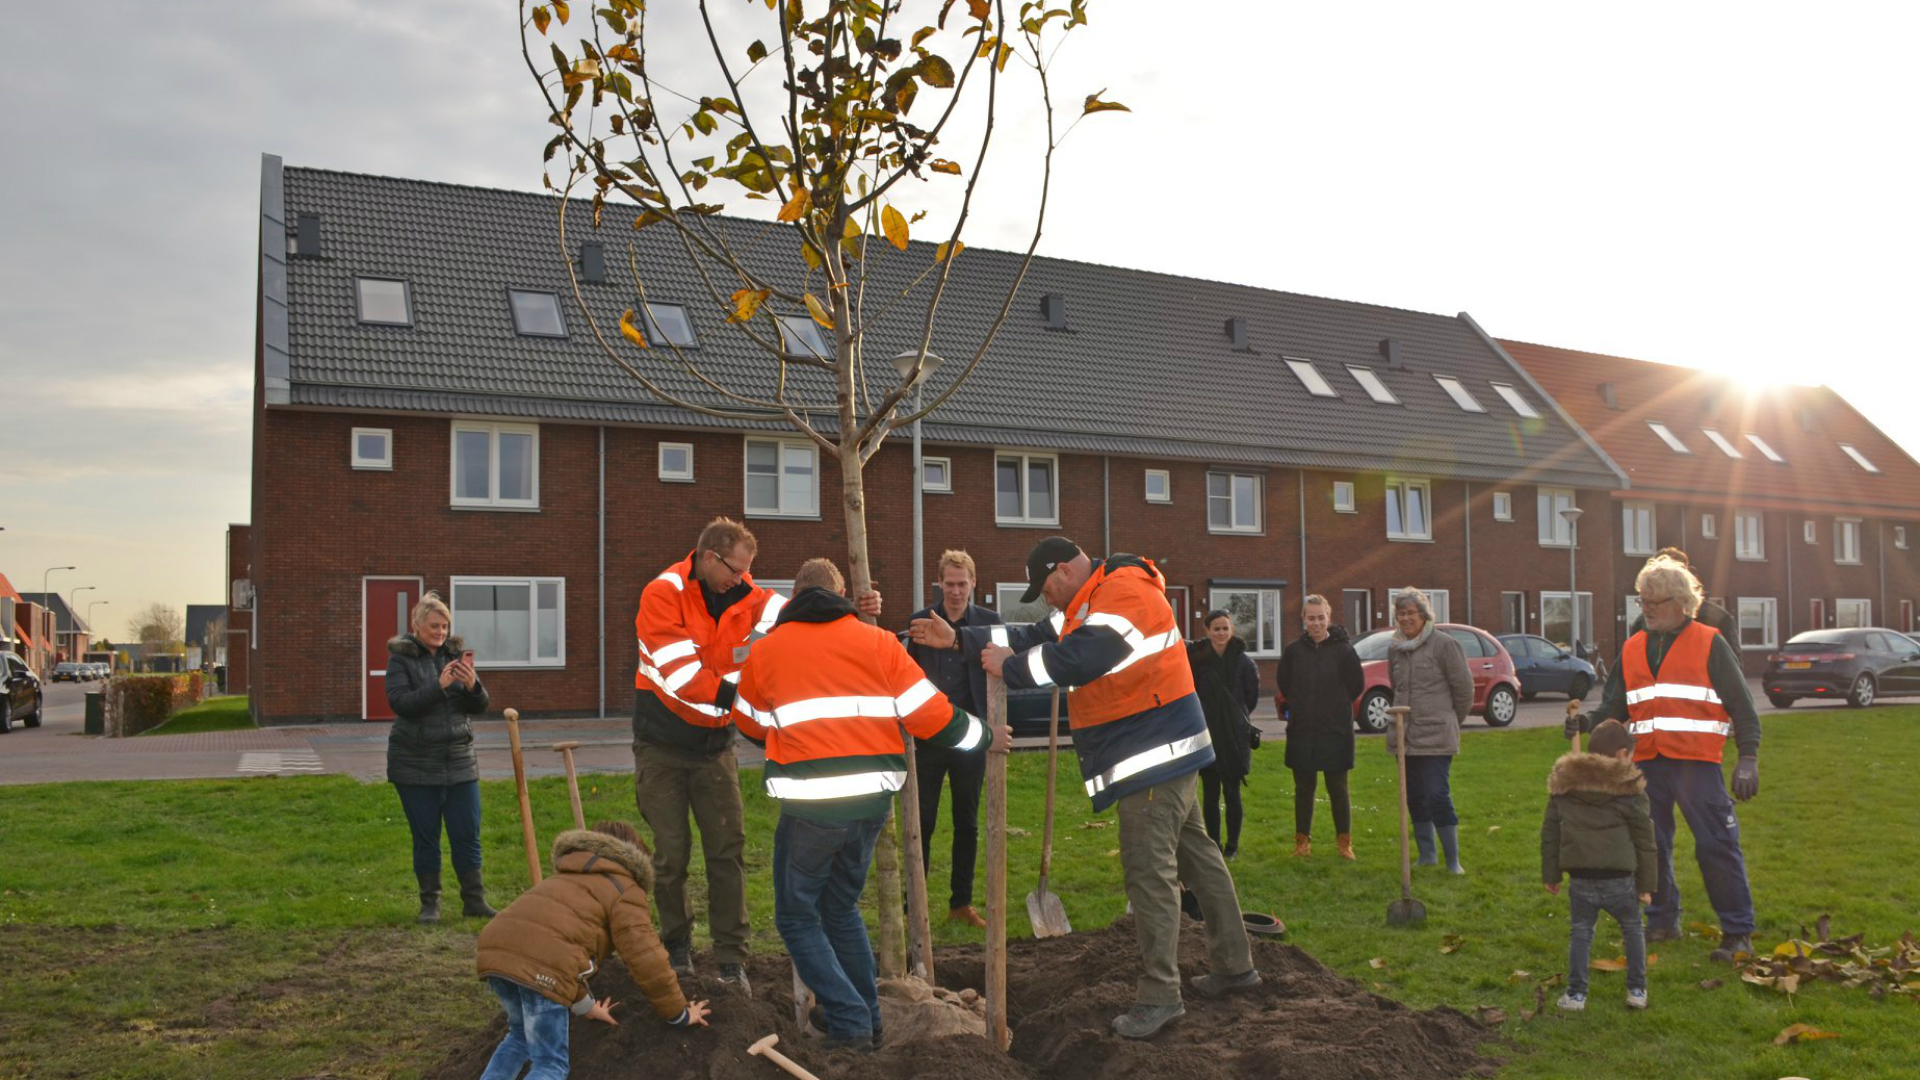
1344, 844
1302, 845
966, 914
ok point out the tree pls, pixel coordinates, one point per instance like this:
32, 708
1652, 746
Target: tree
837, 145
157, 627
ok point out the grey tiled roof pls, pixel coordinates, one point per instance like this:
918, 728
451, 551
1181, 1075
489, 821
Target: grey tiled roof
1144, 369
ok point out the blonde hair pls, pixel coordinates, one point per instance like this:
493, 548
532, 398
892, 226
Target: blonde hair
1315, 598
429, 604
722, 535
956, 558
819, 573
1671, 578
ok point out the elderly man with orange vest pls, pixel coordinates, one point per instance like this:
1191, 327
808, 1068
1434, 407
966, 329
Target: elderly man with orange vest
1141, 738
828, 695
1679, 689
693, 628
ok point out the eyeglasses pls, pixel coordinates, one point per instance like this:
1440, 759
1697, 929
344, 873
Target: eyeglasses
736, 571
1646, 602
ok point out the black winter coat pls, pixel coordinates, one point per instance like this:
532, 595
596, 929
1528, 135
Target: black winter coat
431, 743
1319, 683
1229, 687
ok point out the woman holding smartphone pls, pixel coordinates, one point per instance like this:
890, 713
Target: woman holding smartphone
432, 688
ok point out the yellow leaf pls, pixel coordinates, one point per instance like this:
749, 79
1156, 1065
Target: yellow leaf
1519, 976
631, 332
746, 302
1619, 964
979, 9
541, 19
1794, 1033
1491, 829
1452, 943
1705, 930
1377, 963
1792, 948
940, 253
818, 310
560, 9
894, 224
942, 165
811, 256
1112, 853
797, 206
1094, 105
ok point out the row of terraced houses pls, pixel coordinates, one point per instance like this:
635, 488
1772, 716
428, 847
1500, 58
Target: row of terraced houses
432, 411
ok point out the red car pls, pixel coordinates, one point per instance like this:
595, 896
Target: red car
1496, 689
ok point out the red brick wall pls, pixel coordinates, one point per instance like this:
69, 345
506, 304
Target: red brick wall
239, 623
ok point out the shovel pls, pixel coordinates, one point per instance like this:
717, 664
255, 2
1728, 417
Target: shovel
1044, 910
1573, 709
1406, 910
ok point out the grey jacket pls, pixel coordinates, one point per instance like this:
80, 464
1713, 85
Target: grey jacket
431, 742
1430, 675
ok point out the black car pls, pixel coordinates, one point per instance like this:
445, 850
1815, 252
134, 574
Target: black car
69, 672
22, 700
1545, 668
1861, 665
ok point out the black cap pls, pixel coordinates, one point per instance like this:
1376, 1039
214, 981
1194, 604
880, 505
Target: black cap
1046, 555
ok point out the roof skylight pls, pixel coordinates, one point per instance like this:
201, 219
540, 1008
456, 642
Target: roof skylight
1720, 441
1371, 383
1859, 458
1667, 436
1760, 444
801, 337
1310, 378
536, 314
1458, 393
1514, 399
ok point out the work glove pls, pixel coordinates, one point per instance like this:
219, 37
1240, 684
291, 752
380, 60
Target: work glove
1746, 777
1576, 723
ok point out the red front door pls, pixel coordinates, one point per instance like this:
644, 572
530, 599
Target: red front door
385, 605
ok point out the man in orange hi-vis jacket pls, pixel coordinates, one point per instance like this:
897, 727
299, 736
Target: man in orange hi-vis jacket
828, 695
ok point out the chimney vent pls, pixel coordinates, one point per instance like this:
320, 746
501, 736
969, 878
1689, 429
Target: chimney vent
1053, 309
1806, 420
1608, 395
593, 261
1237, 333
307, 239
1390, 352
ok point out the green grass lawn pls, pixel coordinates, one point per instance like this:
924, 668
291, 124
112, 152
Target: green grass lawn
226, 713
197, 928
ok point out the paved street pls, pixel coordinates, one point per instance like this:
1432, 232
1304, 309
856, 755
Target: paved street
57, 750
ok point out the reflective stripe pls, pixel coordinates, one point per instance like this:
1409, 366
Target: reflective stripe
1000, 638
1148, 647
976, 734
805, 788
864, 706
732, 677
1058, 622
682, 675
1676, 691
1117, 622
1721, 728
1147, 759
658, 680
770, 613
672, 578
747, 709
1038, 667
668, 654
917, 695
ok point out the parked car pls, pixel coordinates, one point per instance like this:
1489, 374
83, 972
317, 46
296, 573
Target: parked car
68, 672
1545, 668
1861, 665
102, 670
22, 699
1496, 690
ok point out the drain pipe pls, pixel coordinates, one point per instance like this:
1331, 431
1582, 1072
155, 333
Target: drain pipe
1301, 478
1106, 504
1467, 486
602, 589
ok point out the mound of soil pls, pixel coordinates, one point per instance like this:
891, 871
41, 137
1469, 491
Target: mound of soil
1303, 1020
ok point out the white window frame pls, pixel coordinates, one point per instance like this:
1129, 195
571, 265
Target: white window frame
1515, 402
1458, 391
671, 476
1846, 541
1370, 381
481, 660
1633, 609
1667, 436
1859, 458
1397, 488
1766, 451
1632, 515
1026, 460
1006, 598
1720, 441
1441, 600
1166, 485
1771, 608
946, 470
1310, 377
1810, 532
493, 431
1709, 529
1863, 606
1749, 536
1503, 506
781, 446
1582, 613
379, 464
1343, 501
1554, 530
1259, 503
1900, 537
1267, 615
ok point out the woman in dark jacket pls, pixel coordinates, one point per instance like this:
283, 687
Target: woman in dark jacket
1320, 677
1229, 688
432, 687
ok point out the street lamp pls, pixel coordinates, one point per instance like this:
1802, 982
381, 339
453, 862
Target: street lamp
73, 612
91, 604
904, 363
1572, 514
45, 596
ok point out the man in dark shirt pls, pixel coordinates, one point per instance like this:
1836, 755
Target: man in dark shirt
965, 685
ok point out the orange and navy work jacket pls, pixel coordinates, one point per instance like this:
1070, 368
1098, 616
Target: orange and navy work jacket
1136, 720
1677, 713
828, 694
689, 660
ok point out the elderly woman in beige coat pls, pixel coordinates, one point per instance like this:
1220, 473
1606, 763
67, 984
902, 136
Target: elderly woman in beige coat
1429, 674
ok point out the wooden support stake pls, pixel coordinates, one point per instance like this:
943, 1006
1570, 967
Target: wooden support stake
566, 749
919, 918
997, 871
520, 788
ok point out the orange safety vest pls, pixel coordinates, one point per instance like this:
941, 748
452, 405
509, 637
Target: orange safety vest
684, 653
1132, 601
1676, 714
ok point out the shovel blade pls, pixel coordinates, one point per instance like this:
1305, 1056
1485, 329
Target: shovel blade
1406, 912
1048, 916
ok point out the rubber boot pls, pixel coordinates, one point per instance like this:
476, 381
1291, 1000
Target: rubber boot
473, 895
1344, 844
1450, 843
1423, 840
429, 898
1302, 845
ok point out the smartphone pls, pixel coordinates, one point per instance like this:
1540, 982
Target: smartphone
467, 657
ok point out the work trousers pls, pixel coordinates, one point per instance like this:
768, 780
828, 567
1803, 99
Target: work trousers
538, 1033
428, 808
1701, 792
1429, 789
1214, 791
1163, 845
1586, 899
819, 869
670, 787
1304, 781
967, 769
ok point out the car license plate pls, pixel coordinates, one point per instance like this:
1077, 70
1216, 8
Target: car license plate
1797, 665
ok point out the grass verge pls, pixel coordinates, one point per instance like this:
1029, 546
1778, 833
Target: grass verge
225, 713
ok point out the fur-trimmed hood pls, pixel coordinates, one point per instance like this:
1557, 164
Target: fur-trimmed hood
408, 645
636, 862
1595, 774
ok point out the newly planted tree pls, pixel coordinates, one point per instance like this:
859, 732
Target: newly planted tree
832, 117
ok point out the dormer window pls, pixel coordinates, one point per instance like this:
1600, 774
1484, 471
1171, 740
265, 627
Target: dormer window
1859, 458
1512, 398
1458, 393
1720, 441
1667, 436
1311, 378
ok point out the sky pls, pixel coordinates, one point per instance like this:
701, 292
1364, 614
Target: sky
1715, 185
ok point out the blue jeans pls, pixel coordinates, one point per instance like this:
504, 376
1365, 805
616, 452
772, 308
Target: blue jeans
537, 1030
1702, 794
819, 869
426, 807
1588, 897
1429, 792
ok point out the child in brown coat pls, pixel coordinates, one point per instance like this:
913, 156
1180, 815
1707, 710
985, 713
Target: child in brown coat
537, 954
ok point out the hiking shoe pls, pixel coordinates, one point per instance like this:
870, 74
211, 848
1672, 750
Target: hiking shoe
1731, 946
1572, 1002
1219, 986
1636, 999
1664, 933
735, 975
680, 957
1143, 1021
966, 914
859, 1044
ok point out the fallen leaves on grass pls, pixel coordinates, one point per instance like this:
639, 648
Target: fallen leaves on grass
1712, 984
1539, 1004
1490, 1015
1519, 977
1620, 963
1705, 930
1377, 963
1795, 1033
1095, 824
1452, 943
1893, 969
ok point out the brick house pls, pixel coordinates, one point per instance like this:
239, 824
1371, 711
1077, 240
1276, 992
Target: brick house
1796, 510
432, 412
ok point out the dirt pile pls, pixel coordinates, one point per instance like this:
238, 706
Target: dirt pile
1303, 1021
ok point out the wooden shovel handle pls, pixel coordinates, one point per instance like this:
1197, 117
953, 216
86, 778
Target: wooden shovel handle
1053, 762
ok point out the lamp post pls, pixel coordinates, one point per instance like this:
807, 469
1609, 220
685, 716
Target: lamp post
73, 612
904, 363
91, 604
45, 596
1572, 514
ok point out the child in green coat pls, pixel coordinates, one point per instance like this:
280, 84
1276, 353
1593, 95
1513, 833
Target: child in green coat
1598, 832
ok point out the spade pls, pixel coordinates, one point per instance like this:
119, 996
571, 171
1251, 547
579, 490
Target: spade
1406, 910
